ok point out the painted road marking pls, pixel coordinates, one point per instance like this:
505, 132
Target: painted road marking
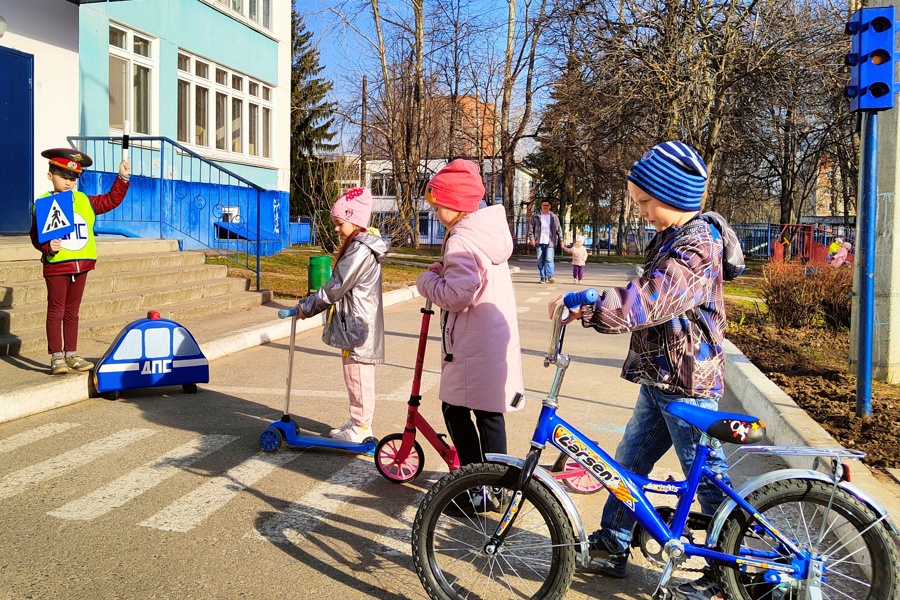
401, 393
18, 482
190, 510
316, 506
534, 299
396, 541
133, 484
523, 309
38, 434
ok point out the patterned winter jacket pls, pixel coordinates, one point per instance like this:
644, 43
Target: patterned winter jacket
675, 311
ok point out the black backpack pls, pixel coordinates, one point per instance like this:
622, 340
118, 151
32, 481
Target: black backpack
733, 255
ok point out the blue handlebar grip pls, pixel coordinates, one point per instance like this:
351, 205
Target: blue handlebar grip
575, 299
284, 313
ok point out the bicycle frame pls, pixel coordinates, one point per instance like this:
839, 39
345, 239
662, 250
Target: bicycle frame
629, 489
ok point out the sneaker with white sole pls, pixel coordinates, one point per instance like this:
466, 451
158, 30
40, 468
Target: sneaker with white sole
354, 433
476, 501
346, 425
58, 365
704, 588
76, 363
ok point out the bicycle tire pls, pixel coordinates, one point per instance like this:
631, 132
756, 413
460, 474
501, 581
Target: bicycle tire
797, 507
386, 453
521, 569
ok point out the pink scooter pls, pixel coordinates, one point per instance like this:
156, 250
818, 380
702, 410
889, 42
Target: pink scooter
398, 456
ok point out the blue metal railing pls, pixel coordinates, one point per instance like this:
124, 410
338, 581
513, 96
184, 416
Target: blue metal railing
176, 193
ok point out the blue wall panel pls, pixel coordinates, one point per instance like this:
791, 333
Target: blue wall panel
187, 211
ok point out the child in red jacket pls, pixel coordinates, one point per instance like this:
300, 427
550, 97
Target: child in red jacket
67, 260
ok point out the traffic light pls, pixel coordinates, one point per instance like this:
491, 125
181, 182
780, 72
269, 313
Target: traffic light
871, 59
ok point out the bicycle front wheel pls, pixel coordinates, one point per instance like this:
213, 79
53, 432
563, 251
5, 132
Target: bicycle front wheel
858, 553
458, 516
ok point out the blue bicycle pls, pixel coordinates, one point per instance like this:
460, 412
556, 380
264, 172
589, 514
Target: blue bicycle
506, 529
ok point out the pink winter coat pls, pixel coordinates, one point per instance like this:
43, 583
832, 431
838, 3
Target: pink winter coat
840, 257
479, 324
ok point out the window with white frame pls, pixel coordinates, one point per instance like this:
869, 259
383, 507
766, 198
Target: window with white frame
257, 11
236, 107
132, 62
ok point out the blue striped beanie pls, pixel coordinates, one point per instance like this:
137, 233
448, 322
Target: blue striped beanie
673, 173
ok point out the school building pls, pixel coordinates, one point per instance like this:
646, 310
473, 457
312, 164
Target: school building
201, 86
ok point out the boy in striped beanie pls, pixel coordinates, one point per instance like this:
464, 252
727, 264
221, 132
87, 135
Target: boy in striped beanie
676, 312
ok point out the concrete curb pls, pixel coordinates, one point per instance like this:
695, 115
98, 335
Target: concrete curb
789, 425
69, 389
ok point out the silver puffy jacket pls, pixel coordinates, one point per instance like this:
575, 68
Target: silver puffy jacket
356, 321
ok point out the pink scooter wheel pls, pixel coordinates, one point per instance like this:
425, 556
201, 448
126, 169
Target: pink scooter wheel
574, 476
393, 468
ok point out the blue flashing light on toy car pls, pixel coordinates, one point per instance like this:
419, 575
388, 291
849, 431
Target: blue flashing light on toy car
150, 352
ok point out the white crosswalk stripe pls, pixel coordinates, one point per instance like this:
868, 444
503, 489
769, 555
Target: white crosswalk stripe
133, 484
190, 510
316, 506
38, 434
29, 477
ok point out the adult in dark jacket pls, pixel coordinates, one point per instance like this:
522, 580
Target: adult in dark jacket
544, 234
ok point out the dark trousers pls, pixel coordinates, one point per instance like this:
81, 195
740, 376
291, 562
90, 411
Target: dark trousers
64, 294
578, 272
474, 440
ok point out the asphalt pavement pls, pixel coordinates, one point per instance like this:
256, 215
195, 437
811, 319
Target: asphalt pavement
166, 495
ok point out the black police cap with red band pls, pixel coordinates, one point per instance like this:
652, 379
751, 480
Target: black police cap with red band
67, 158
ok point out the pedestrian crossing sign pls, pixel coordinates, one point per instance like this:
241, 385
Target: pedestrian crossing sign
55, 216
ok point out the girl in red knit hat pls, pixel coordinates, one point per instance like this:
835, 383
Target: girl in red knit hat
482, 367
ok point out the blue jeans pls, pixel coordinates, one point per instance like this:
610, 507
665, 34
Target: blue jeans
648, 436
545, 260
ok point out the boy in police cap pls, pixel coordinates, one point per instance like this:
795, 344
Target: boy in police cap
67, 260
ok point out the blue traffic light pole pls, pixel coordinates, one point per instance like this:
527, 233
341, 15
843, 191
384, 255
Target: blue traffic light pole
872, 88
866, 250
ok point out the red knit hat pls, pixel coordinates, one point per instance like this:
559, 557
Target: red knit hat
457, 186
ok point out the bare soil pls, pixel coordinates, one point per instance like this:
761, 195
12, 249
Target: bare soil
811, 366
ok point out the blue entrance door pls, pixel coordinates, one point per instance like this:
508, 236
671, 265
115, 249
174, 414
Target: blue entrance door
17, 135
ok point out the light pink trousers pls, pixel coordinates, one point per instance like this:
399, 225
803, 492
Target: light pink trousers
360, 380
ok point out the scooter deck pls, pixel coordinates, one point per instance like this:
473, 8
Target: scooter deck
287, 434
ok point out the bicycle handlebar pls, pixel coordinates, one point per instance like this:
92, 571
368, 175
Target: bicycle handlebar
575, 299
284, 313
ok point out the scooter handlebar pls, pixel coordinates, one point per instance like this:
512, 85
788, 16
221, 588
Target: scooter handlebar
576, 299
284, 313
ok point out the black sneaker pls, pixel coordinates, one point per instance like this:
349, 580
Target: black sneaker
472, 502
704, 588
604, 560
615, 566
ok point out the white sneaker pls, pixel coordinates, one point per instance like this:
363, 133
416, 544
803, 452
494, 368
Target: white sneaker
346, 425
354, 433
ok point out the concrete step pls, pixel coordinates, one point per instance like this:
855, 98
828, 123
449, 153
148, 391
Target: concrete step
32, 270
103, 330
16, 248
97, 284
20, 320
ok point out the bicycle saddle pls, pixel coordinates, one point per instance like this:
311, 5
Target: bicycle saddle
728, 427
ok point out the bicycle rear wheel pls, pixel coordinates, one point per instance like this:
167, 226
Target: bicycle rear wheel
536, 560
860, 561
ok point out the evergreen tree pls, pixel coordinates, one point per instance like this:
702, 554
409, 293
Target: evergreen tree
311, 120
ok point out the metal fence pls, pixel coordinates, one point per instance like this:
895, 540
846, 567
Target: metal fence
177, 194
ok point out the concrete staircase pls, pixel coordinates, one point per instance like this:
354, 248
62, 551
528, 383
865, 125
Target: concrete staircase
132, 277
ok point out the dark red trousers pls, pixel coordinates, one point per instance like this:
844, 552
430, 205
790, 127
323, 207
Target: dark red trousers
64, 294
